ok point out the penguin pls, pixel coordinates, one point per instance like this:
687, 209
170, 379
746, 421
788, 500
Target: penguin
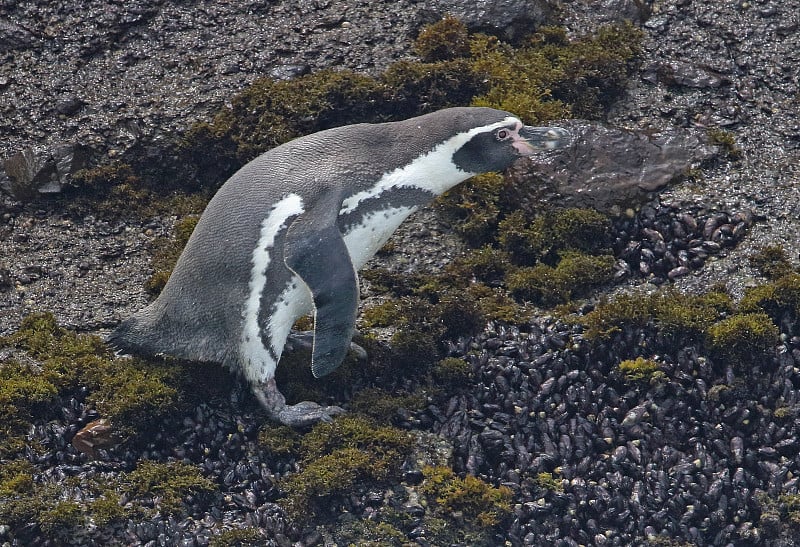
287, 233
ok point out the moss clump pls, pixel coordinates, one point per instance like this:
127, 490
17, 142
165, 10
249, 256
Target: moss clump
726, 141
60, 519
581, 78
23, 393
279, 440
546, 237
383, 406
479, 502
452, 371
549, 482
336, 457
475, 206
444, 40
639, 369
772, 262
16, 477
679, 315
166, 252
241, 537
575, 275
167, 484
777, 298
743, 340
131, 393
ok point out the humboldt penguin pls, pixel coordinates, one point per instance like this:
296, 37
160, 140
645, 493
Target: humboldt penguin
287, 233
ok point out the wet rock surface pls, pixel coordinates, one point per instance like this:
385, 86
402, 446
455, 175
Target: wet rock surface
607, 168
700, 457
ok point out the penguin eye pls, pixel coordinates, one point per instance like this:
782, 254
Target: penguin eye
502, 134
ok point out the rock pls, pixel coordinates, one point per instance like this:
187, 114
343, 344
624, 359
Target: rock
606, 168
678, 73
509, 18
29, 172
13, 36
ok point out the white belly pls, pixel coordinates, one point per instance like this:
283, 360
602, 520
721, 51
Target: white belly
364, 240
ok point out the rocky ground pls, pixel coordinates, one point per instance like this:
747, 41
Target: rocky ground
634, 465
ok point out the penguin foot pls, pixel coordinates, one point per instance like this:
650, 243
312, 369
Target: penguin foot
304, 340
302, 414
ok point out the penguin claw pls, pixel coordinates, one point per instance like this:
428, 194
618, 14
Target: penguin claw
302, 414
307, 413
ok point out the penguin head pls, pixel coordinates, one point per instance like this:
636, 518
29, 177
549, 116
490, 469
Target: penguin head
494, 139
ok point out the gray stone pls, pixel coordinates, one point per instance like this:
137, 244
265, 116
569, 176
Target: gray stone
31, 172
509, 18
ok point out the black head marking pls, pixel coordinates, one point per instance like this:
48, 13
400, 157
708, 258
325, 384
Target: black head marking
491, 150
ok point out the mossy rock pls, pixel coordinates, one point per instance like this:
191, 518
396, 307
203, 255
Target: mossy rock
681, 316
443, 40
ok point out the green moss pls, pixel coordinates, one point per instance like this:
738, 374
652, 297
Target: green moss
168, 483
475, 206
452, 371
776, 298
166, 252
479, 502
772, 262
726, 141
743, 340
550, 482
444, 40
546, 237
640, 369
680, 315
131, 393
338, 456
22, 393
60, 519
575, 275
107, 509
240, 537
368, 533
552, 78
16, 477
383, 406
279, 440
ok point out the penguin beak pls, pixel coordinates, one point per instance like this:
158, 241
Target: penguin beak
538, 139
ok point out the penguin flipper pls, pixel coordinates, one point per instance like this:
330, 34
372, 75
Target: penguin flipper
316, 252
